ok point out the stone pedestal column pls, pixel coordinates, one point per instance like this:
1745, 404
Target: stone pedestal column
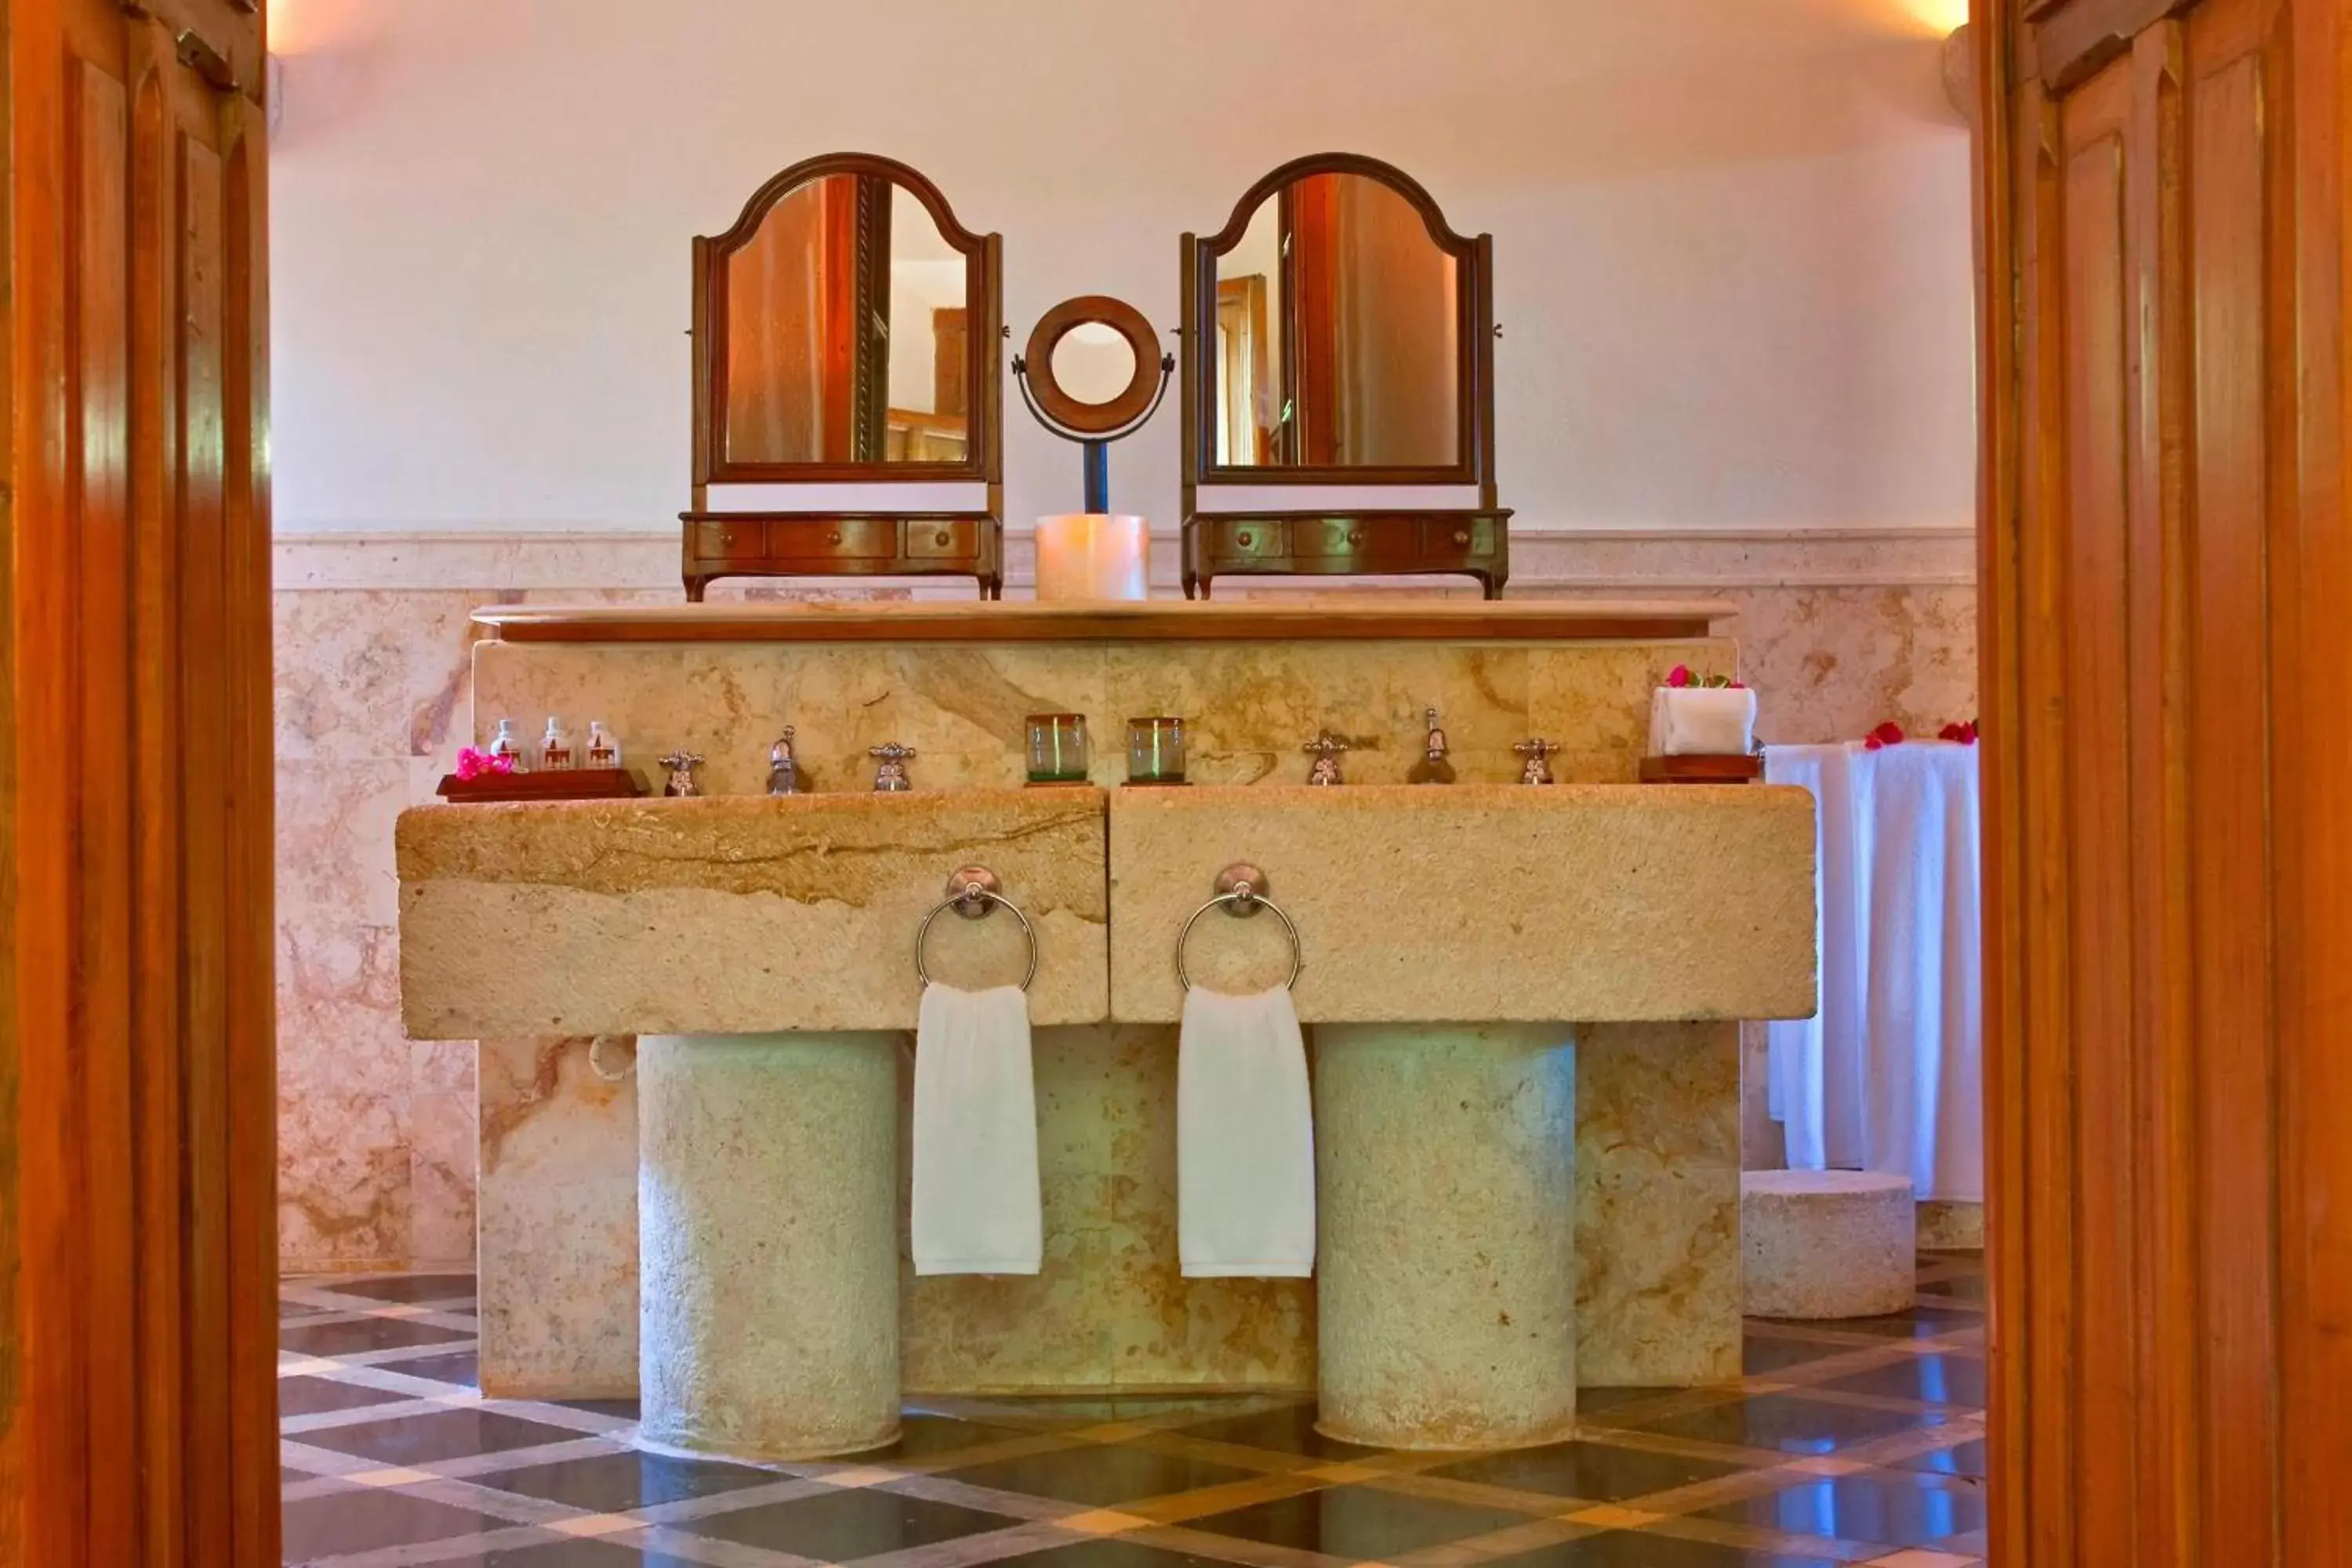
768, 1246
1446, 1160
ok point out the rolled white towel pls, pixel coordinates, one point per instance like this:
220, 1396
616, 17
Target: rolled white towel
976, 1204
1245, 1139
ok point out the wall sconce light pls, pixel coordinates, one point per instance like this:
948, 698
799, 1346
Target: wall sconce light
1960, 72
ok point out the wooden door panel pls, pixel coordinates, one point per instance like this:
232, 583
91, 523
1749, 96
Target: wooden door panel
2242, 438
97, 415
2030, 1114
2163, 477
2311, 585
202, 677
139, 1310
249, 806
2094, 672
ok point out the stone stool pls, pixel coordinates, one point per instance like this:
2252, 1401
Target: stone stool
1827, 1244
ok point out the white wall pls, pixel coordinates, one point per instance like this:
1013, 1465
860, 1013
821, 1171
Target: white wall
1732, 235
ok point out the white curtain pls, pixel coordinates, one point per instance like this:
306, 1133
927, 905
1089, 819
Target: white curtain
1887, 1076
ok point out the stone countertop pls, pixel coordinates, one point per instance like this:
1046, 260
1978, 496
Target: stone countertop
1340, 618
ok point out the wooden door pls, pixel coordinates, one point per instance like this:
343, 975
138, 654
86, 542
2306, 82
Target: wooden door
2170, 878
137, 1074
952, 361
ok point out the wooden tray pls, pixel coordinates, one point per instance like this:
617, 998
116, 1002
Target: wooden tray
1702, 770
577, 784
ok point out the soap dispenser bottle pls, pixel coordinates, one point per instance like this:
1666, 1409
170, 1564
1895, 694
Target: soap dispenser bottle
555, 748
603, 752
504, 745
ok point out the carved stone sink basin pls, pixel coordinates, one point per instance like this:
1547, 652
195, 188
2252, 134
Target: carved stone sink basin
1471, 903
1475, 903
739, 915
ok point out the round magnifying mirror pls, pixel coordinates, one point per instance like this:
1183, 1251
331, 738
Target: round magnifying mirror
1093, 362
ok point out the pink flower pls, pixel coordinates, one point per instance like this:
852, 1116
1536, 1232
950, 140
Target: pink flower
1680, 676
473, 764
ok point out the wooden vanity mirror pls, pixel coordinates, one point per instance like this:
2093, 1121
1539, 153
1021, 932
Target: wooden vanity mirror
845, 330
1338, 332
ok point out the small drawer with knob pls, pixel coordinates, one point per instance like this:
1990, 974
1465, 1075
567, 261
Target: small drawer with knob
1247, 539
833, 539
1361, 538
733, 541
1458, 536
941, 541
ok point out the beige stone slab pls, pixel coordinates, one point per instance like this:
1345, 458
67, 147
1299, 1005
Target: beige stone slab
1951, 1226
734, 916
558, 1275
964, 709
1250, 705
1476, 903
1657, 1204
1110, 1309
1347, 617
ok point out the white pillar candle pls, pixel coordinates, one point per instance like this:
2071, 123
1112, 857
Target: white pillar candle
1093, 556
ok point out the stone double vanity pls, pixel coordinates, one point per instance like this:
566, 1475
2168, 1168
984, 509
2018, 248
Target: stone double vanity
1522, 1002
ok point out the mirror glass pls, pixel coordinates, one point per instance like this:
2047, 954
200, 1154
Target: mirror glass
1094, 362
1339, 334
847, 331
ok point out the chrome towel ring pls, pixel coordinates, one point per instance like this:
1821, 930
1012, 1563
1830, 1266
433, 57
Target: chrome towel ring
1240, 892
974, 894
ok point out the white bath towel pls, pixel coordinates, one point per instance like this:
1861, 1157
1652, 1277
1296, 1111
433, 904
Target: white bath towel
1245, 1139
976, 1204
1702, 722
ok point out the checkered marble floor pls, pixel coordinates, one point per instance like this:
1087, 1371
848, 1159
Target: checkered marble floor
1858, 1442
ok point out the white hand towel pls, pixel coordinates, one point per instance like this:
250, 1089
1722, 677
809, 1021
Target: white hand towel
976, 1203
1245, 1139
1702, 722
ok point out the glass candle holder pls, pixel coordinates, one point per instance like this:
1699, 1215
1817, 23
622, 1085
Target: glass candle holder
1155, 750
1057, 748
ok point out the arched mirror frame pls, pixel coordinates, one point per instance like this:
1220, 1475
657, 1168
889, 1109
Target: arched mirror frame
1468, 541
831, 542
983, 292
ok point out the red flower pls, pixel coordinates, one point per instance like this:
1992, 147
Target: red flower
1887, 734
1964, 733
1680, 676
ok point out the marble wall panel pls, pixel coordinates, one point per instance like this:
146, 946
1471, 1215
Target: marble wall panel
372, 1172
1833, 663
